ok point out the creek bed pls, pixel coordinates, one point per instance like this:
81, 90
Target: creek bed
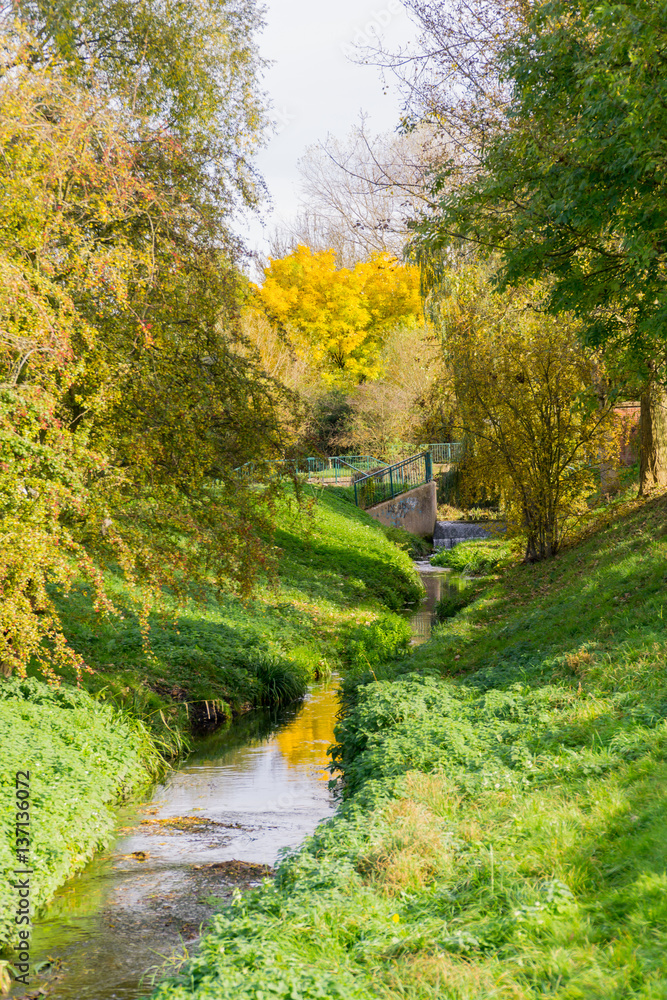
438, 582
214, 824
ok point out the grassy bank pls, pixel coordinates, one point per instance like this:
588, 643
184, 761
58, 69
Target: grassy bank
504, 832
78, 757
340, 582
220, 655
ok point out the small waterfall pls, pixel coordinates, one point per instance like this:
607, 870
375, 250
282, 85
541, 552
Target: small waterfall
447, 534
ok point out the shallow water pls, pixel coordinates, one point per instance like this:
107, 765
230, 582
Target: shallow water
437, 582
261, 784
215, 824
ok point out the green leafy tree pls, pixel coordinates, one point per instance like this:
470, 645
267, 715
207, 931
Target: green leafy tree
188, 70
535, 431
572, 188
127, 396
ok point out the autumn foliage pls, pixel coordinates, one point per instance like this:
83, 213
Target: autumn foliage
125, 398
536, 429
340, 316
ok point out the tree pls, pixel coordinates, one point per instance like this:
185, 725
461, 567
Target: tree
339, 317
571, 188
188, 71
359, 194
127, 395
395, 412
534, 429
450, 77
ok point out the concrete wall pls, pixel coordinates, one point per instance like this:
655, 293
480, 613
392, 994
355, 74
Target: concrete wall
416, 510
447, 534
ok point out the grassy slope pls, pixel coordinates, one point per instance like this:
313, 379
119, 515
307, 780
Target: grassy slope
335, 566
337, 569
505, 833
81, 756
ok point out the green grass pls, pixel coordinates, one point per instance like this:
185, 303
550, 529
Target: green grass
82, 757
336, 567
504, 832
478, 557
340, 583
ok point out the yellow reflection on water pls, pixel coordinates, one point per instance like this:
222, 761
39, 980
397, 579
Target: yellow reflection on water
304, 741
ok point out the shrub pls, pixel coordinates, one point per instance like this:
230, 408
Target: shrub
478, 557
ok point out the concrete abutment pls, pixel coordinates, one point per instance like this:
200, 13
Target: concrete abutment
415, 511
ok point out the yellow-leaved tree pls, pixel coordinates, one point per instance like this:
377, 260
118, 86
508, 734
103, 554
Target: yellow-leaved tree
337, 317
530, 405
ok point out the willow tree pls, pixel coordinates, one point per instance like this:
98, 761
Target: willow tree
523, 386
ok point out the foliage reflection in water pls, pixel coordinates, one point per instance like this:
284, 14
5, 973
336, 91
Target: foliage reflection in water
437, 582
261, 784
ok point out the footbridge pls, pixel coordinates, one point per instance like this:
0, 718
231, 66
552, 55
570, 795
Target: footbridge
400, 493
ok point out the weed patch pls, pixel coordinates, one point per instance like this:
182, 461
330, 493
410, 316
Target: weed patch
82, 756
478, 557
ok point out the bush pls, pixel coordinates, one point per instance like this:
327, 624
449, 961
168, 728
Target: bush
372, 643
478, 557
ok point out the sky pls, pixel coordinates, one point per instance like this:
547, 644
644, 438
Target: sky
316, 89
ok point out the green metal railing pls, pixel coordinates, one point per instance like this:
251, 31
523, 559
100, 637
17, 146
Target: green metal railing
334, 470
444, 454
341, 468
373, 479
395, 479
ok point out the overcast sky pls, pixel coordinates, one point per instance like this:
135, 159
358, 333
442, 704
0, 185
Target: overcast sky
316, 89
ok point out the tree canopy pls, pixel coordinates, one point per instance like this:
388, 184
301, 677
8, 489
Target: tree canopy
340, 316
127, 394
571, 188
188, 70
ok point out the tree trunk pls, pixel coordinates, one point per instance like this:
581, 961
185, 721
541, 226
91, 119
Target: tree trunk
653, 437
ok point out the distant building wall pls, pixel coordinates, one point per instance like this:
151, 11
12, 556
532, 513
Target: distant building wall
416, 510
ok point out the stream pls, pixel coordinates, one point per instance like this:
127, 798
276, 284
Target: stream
215, 823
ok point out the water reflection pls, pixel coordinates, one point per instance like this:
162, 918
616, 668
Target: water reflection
262, 785
437, 582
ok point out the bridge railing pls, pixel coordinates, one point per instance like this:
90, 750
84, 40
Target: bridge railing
339, 468
373, 479
444, 454
385, 484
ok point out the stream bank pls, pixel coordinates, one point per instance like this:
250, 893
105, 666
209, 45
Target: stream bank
504, 831
213, 825
89, 748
